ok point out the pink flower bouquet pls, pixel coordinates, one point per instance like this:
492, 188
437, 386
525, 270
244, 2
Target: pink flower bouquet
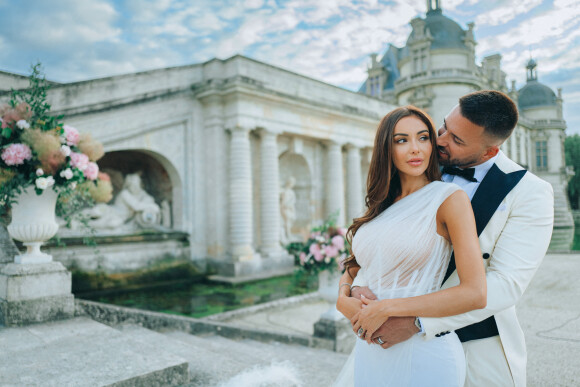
325, 249
37, 150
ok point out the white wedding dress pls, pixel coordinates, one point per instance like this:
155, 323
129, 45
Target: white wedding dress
401, 255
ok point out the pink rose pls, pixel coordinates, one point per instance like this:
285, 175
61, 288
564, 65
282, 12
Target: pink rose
16, 154
342, 231
79, 160
338, 242
71, 135
92, 171
316, 252
302, 258
331, 251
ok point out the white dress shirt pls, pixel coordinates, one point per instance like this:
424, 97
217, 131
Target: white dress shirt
466, 185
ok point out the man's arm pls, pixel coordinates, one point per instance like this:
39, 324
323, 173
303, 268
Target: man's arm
518, 253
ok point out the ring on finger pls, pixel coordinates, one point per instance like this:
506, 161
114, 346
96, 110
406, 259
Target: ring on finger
380, 341
360, 332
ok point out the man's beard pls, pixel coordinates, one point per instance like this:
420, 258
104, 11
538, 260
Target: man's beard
460, 163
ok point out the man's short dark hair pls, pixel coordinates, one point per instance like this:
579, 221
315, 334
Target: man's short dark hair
493, 110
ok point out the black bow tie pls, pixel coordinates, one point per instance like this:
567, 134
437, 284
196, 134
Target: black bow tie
466, 173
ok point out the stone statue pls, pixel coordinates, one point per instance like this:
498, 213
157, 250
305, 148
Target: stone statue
132, 209
288, 209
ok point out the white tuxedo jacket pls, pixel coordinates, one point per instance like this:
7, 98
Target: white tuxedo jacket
513, 244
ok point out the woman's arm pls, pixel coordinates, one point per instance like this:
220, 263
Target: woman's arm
456, 221
347, 305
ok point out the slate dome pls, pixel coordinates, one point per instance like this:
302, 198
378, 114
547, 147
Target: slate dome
445, 32
535, 94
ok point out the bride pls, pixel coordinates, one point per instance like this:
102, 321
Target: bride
402, 246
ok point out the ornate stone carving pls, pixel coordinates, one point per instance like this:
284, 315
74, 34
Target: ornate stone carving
288, 209
132, 209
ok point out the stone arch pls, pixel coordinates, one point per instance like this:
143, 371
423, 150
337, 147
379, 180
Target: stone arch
295, 165
160, 177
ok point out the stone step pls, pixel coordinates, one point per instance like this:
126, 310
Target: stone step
208, 364
82, 352
219, 361
301, 366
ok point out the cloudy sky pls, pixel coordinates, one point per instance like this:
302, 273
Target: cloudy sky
328, 40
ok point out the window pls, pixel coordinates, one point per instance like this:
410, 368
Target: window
541, 155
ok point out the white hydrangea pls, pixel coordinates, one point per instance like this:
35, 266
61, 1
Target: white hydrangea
22, 124
44, 182
65, 150
67, 173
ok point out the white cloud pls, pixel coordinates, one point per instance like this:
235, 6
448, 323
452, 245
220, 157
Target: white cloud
506, 12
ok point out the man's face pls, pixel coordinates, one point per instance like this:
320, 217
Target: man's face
461, 143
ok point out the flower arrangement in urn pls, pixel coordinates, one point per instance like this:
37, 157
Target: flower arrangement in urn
325, 249
38, 151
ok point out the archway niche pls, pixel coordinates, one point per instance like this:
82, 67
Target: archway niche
159, 179
296, 166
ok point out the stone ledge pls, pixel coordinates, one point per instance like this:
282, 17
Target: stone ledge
24, 312
115, 315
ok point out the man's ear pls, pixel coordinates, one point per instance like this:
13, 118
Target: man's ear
490, 152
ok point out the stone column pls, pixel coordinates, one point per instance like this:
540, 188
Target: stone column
269, 194
523, 151
513, 150
240, 196
334, 182
353, 188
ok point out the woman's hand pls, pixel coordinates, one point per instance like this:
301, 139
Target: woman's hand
370, 318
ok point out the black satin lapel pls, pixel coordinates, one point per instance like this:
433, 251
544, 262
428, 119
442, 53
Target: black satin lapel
493, 189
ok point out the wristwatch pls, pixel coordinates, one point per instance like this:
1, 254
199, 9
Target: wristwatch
418, 324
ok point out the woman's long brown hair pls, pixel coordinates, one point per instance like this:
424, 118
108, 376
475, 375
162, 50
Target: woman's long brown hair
383, 183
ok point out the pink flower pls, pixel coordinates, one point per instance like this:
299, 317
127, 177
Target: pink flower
103, 176
316, 252
331, 251
92, 171
342, 231
16, 154
338, 241
71, 135
79, 160
302, 258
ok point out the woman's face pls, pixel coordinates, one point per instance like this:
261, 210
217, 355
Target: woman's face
411, 146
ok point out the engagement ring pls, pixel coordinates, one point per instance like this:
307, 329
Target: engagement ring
360, 332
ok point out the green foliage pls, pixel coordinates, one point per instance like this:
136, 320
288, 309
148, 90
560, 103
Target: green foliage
572, 152
35, 96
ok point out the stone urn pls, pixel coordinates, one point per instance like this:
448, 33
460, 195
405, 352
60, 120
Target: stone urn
33, 223
328, 289
328, 284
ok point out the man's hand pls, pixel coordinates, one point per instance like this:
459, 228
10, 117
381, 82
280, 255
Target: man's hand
357, 291
395, 330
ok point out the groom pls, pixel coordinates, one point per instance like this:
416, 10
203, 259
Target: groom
514, 215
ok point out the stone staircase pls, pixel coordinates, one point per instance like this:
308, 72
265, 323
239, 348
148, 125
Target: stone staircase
83, 352
218, 361
563, 234
562, 213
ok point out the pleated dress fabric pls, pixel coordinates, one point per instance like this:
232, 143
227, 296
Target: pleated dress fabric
401, 255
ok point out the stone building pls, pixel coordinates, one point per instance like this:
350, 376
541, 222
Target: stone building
216, 143
437, 66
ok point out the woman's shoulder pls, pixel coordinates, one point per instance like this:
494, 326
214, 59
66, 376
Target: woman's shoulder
443, 192
444, 187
